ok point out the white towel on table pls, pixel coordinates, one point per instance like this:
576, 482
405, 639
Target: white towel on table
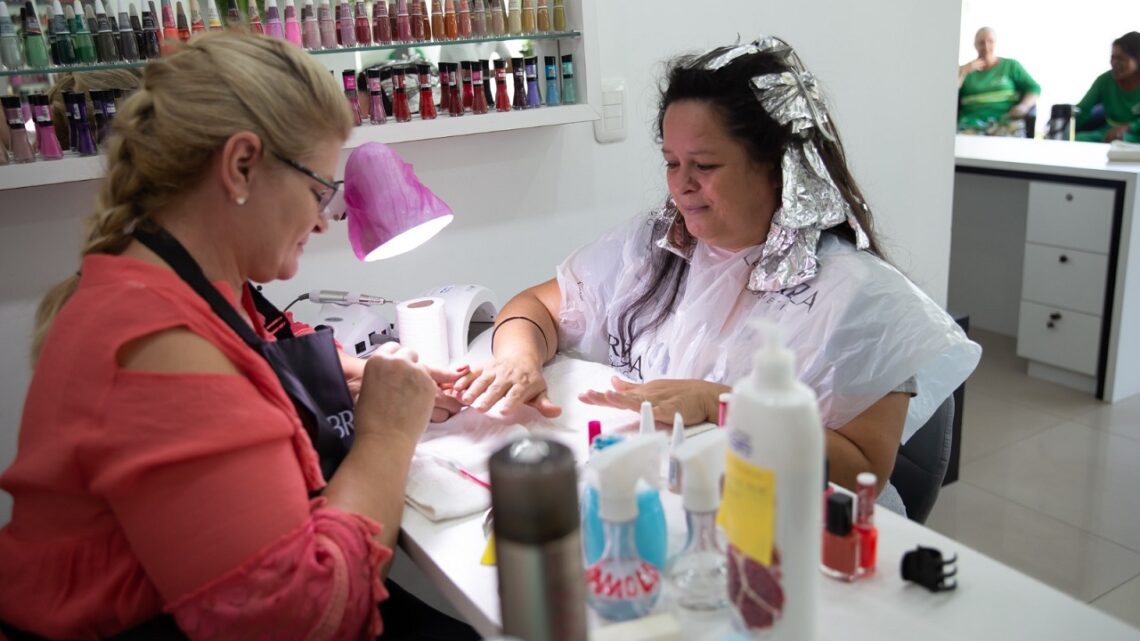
1120, 151
469, 438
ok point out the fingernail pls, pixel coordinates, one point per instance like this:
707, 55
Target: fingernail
463, 369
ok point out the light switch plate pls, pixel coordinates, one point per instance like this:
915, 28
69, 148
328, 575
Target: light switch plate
611, 127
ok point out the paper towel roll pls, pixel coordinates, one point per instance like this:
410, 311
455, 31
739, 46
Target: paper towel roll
422, 326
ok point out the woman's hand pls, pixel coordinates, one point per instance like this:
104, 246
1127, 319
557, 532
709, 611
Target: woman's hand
695, 400
1018, 111
397, 394
515, 380
1116, 133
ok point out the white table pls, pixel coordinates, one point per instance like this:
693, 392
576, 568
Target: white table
992, 601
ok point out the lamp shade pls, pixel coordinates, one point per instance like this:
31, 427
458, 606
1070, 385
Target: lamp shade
389, 210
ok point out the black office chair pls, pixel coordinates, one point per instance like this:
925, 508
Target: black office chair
922, 461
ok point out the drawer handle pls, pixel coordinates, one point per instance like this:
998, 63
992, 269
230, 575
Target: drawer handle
1063, 258
1069, 197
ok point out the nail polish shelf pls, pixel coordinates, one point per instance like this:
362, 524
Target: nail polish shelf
78, 169
561, 35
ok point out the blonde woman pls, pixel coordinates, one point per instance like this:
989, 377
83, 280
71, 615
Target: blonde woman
173, 478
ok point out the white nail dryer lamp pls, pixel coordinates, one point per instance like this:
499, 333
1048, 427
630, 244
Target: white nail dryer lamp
470, 311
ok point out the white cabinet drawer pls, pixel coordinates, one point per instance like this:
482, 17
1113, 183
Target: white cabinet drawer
1064, 277
1058, 337
1070, 216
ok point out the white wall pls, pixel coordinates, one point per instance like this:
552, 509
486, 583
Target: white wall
523, 200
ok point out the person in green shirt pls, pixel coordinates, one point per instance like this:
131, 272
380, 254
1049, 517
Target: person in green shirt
1118, 91
994, 94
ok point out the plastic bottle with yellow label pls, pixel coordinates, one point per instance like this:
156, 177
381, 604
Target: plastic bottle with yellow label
771, 510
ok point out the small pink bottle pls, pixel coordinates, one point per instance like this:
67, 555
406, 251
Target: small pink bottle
381, 26
46, 140
292, 25
403, 22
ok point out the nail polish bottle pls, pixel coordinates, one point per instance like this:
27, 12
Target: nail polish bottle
326, 24
479, 98
292, 25
273, 26
485, 67
213, 20
559, 16
403, 22
450, 22
137, 28
543, 16
82, 140
465, 80
348, 79
427, 100
363, 25
533, 98
386, 89
479, 21
464, 19
46, 140
425, 17
455, 100
514, 17
519, 70
11, 55
84, 41
196, 24
377, 113
346, 28
255, 23
437, 20
170, 25
128, 43
233, 16
310, 30
444, 89
35, 45
400, 105
528, 25
184, 31
150, 36
14, 115
381, 26
840, 554
502, 101
63, 45
498, 26
865, 522
106, 45
392, 18
97, 111
72, 134
552, 95
417, 22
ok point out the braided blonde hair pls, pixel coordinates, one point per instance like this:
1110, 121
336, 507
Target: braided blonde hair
190, 103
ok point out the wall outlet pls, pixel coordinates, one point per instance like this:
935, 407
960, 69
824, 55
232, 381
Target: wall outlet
611, 127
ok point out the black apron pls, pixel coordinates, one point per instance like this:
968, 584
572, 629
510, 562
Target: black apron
307, 366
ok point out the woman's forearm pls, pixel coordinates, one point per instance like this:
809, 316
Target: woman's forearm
536, 336
371, 480
845, 461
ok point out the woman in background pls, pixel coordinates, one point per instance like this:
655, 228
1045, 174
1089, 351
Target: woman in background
994, 94
1118, 92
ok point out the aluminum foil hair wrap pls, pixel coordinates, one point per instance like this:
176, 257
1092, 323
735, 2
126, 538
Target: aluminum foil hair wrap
810, 200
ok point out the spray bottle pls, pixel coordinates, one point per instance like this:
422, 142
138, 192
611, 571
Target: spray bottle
651, 533
771, 509
698, 572
621, 584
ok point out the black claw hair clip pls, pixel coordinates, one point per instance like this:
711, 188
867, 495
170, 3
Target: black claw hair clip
925, 567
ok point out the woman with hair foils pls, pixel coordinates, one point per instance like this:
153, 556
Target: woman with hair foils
178, 475
1118, 92
763, 220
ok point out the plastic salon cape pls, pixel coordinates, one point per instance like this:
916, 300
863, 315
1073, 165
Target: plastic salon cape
859, 329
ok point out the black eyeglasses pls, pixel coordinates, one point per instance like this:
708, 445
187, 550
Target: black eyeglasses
326, 195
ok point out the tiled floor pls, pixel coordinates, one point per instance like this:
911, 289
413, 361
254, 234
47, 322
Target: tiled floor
1049, 482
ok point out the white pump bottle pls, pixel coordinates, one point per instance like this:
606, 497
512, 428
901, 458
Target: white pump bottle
771, 509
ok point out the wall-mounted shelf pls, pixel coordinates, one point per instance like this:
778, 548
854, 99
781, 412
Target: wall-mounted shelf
552, 35
581, 43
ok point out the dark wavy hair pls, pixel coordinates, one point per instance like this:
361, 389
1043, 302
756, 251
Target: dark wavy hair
1129, 43
728, 91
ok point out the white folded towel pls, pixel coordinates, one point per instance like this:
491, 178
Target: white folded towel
1120, 151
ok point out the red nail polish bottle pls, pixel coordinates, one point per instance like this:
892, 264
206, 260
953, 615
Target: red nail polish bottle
865, 522
840, 558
